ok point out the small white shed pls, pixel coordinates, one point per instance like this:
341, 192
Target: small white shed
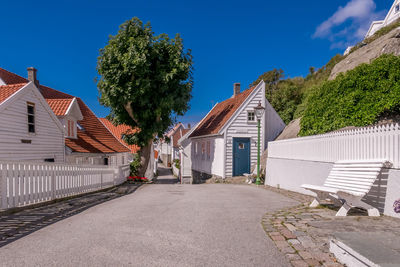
224, 144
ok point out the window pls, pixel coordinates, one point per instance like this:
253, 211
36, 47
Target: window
31, 117
80, 127
208, 149
251, 116
397, 8
195, 148
203, 150
241, 145
105, 161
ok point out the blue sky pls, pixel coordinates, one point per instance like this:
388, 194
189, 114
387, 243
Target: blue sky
231, 41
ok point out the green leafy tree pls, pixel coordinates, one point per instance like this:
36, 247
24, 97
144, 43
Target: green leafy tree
146, 81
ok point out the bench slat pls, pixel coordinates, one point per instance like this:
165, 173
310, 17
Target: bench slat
356, 169
356, 186
349, 188
350, 181
367, 174
367, 165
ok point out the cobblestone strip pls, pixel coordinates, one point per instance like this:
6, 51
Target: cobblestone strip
288, 230
19, 224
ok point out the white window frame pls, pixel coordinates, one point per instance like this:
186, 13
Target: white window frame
253, 115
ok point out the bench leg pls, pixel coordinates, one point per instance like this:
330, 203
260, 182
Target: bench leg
373, 212
343, 210
315, 203
353, 201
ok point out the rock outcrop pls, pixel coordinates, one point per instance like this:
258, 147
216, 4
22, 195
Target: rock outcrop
387, 44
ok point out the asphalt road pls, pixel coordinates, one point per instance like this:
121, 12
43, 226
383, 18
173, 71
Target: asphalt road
160, 225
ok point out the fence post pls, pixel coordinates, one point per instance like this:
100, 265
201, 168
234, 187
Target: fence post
53, 183
3, 187
101, 178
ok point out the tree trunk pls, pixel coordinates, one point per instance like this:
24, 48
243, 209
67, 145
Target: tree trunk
145, 153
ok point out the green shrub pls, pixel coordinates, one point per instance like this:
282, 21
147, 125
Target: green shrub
135, 165
177, 163
356, 98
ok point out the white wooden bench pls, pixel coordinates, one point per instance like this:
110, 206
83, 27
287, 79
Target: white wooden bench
347, 183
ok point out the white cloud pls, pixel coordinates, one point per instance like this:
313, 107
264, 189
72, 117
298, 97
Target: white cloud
359, 14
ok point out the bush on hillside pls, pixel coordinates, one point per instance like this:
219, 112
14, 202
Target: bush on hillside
357, 98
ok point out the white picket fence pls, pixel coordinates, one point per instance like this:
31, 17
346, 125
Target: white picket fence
381, 142
26, 183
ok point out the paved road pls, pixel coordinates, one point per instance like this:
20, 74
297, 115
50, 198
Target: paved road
159, 225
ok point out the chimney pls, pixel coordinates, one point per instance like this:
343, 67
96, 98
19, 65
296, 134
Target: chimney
32, 76
189, 126
236, 89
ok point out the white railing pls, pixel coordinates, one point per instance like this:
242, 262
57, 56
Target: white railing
26, 183
379, 142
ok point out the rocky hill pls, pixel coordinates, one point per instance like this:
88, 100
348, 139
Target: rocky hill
386, 44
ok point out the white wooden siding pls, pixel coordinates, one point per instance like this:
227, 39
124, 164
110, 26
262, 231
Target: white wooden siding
212, 164
240, 127
47, 142
114, 159
274, 125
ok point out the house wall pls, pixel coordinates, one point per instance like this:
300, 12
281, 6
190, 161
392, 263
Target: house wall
393, 15
208, 161
114, 159
47, 142
64, 122
274, 125
165, 152
186, 161
241, 127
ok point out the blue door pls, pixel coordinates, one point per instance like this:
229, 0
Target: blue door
241, 156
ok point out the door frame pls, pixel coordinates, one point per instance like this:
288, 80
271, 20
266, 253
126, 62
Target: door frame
234, 150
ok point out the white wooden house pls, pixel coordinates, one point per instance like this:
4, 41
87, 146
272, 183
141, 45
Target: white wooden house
49, 125
29, 129
168, 147
224, 143
391, 16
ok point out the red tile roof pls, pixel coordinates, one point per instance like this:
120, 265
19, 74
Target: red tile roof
178, 135
8, 90
11, 78
220, 114
118, 131
172, 131
59, 106
94, 138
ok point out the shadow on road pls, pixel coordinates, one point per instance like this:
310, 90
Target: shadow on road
17, 225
